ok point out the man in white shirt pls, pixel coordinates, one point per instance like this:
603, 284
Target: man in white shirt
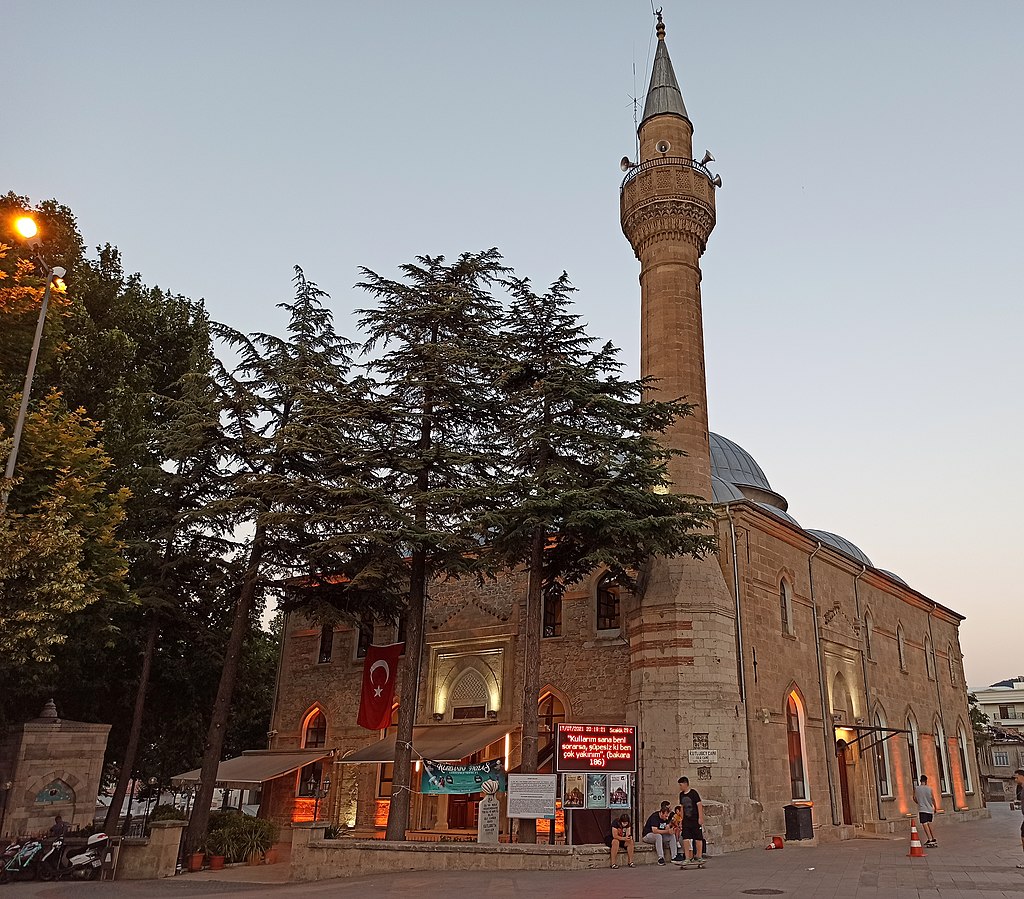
924, 796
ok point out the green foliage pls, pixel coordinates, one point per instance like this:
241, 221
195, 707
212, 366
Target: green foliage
583, 462
981, 724
238, 837
166, 812
59, 549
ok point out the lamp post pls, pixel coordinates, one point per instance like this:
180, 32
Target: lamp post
318, 791
30, 232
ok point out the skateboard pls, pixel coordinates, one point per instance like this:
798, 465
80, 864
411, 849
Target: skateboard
699, 863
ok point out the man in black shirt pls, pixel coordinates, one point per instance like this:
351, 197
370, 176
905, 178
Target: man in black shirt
691, 833
658, 833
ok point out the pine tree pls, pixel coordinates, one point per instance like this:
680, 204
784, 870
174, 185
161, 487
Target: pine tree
287, 423
436, 330
584, 474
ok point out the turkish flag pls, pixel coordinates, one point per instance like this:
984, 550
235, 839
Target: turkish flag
379, 673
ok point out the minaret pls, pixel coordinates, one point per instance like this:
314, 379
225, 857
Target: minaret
682, 632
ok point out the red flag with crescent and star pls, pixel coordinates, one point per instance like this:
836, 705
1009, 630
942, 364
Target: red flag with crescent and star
380, 670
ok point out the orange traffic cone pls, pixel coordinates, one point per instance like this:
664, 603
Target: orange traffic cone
916, 849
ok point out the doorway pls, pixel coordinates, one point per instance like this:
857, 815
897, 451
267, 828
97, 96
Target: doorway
844, 780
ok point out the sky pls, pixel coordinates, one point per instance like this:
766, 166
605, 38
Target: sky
861, 288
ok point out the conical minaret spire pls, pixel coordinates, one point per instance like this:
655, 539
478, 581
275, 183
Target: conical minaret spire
663, 95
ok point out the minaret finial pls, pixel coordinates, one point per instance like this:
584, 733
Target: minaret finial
661, 25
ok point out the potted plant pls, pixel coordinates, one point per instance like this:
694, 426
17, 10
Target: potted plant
255, 837
218, 845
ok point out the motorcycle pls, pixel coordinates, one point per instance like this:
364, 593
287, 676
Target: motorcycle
58, 862
23, 863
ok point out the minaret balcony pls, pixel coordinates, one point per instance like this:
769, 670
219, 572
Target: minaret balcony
668, 197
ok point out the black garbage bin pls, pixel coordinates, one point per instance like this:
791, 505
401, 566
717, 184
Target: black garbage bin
799, 825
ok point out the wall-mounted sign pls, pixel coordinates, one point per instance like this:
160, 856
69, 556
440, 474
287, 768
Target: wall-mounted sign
703, 756
531, 795
441, 777
595, 747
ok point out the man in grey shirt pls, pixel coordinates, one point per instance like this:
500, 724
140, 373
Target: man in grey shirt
924, 796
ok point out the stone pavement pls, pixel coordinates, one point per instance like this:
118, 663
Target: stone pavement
975, 860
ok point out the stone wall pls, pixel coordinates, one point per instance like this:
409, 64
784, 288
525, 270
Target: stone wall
152, 858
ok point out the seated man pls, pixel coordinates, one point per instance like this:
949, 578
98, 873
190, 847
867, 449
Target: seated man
622, 835
658, 832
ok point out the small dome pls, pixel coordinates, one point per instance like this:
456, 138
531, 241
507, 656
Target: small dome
732, 463
842, 544
724, 492
785, 516
895, 577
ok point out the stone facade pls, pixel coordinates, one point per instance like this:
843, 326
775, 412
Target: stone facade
50, 767
810, 675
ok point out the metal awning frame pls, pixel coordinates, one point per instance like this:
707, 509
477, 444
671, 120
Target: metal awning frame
867, 731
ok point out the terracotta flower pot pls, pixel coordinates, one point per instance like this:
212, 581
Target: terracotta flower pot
195, 861
216, 862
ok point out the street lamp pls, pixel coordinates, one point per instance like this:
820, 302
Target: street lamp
28, 229
318, 791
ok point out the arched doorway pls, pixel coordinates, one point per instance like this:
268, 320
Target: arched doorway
842, 760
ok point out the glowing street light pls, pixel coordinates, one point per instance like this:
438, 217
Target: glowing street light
29, 230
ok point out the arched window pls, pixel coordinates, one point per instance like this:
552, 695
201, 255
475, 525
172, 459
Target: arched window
942, 757
882, 757
912, 749
386, 770
869, 633
608, 614
901, 647
314, 731
468, 698
797, 753
961, 741
314, 736
952, 664
364, 636
929, 658
326, 644
550, 712
785, 607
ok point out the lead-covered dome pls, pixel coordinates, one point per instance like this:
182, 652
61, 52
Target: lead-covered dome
843, 545
735, 466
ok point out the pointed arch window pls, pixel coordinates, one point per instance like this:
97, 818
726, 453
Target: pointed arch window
929, 658
901, 647
553, 611
952, 664
550, 713
314, 732
882, 757
796, 748
942, 757
961, 743
786, 607
314, 736
364, 636
912, 749
869, 633
608, 603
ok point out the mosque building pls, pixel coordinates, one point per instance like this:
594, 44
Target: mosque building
784, 671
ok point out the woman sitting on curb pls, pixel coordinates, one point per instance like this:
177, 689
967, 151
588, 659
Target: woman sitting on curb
622, 833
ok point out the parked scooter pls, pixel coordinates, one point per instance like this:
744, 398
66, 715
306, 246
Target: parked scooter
24, 861
58, 862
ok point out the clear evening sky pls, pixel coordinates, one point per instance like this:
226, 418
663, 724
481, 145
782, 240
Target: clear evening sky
861, 290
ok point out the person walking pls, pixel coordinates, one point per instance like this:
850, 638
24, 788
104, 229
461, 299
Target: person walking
622, 835
692, 828
924, 796
658, 833
1018, 776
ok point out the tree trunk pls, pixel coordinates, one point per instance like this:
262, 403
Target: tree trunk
114, 812
398, 809
222, 704
531, 671
398, 812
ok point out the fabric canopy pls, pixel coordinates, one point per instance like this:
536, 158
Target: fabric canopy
255, 766
440, 743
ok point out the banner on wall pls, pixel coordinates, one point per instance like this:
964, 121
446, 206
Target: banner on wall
444, 777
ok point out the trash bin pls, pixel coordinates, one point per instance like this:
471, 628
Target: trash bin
799, 825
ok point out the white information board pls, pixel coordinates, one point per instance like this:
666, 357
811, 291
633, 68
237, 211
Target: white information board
703, 757
531, 795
